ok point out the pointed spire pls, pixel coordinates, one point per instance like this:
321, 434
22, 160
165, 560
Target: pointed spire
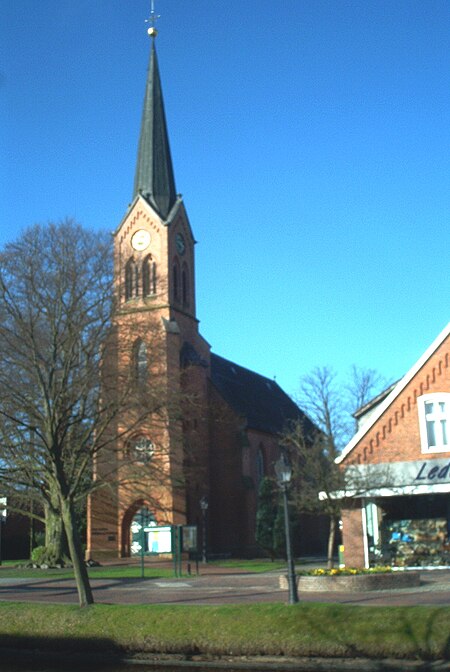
154, 177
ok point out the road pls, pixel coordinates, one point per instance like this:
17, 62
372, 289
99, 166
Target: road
215, 586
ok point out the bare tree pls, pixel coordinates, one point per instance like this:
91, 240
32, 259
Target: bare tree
315, 477
71, 395
55, 308
363, 385
320, 396
330, 406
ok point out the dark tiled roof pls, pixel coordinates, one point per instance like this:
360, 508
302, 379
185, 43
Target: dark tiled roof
375, 401
154, 177
260, 400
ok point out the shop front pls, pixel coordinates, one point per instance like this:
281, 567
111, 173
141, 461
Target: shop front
405, 509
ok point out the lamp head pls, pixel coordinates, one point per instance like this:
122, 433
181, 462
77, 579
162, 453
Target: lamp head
283, 470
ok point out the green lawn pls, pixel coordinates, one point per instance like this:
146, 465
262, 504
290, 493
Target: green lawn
9, 569
261, 629
113, 572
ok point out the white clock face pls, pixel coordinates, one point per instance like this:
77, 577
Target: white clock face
140, 240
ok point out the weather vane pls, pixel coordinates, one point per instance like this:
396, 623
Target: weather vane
152, 20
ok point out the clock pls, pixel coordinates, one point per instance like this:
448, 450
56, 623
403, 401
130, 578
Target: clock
179, 242
140, 240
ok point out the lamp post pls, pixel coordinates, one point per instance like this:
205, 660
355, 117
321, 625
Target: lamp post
3, 502
204, 507
283, 473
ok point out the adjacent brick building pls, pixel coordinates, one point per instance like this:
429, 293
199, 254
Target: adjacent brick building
193, 425
397, 466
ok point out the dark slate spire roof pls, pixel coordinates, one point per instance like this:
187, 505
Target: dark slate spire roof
258, 399
154, 177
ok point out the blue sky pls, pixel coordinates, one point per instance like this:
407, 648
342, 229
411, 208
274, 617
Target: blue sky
311, 143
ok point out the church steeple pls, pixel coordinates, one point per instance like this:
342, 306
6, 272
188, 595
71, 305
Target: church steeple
154, 177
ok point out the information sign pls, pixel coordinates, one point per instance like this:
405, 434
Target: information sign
189, 538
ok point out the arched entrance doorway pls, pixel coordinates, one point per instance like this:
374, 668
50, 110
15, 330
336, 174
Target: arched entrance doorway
127, 521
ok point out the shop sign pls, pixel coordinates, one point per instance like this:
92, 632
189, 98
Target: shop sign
360, 478
433, 472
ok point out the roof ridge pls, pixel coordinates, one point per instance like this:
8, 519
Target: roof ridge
395, 392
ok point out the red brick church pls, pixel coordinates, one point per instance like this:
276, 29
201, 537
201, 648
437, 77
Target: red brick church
193, 425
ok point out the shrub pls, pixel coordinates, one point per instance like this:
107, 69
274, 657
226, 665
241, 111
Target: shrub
348, 571
38, 555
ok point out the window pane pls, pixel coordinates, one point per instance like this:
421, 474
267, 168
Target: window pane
444, 432
429, 407
141, 362
442, 406
431, 436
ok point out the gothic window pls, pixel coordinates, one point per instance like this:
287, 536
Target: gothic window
260, 465
434, 422
130, 279
140, 362
148, 276
176, 280
185, 285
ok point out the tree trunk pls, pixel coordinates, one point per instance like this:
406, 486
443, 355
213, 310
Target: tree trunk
54, 535
331, 538
85, 596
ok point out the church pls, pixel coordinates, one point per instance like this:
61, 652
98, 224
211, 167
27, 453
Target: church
194, 433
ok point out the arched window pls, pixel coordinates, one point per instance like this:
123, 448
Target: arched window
185, 285
260, 464
130, 279
148, 276
176, 280
140, 362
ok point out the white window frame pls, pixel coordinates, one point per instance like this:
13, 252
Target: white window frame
437, 417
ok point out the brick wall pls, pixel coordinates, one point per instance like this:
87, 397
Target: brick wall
352, 531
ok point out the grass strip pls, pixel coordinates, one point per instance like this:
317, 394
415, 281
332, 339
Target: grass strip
125, 572
262, 629
9, 570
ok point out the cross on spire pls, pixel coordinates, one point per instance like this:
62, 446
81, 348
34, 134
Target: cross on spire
152, 20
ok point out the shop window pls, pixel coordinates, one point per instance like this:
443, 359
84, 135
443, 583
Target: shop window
434, 422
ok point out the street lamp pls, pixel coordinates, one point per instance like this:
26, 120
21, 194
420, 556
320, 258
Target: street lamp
283, 473
204, 507
3, 503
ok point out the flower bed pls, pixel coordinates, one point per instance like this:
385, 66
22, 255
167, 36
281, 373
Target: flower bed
354, 580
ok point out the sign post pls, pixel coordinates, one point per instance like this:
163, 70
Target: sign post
148, 538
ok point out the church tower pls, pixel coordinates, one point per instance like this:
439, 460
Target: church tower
187, 435
155, 364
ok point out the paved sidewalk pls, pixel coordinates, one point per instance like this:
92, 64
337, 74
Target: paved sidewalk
217, 585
